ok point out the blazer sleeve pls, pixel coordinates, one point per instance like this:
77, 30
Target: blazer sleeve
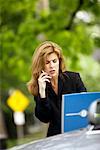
43, 109
79, 84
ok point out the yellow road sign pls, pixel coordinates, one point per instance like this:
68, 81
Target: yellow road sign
18, 101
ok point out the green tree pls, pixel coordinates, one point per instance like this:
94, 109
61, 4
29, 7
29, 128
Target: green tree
24, 24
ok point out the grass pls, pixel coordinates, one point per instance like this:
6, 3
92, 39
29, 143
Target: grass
26, 139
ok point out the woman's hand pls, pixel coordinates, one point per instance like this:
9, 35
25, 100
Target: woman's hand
42, 83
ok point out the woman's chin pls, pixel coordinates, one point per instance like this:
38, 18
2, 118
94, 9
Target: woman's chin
53, 75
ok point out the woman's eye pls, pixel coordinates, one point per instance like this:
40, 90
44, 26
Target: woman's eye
47, 62
55, 60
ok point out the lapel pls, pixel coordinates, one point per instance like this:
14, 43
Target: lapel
60, 85
50, 90
67, 82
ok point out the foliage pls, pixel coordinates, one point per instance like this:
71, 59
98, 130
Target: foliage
24, 26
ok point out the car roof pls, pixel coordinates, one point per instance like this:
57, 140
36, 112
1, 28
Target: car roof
74, 140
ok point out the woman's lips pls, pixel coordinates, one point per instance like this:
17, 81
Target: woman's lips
52, 71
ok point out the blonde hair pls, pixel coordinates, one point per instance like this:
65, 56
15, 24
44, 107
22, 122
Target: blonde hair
38, 58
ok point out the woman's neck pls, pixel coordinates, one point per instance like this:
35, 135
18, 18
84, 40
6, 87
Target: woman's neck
54, 82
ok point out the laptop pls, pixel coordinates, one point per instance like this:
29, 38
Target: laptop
75, 110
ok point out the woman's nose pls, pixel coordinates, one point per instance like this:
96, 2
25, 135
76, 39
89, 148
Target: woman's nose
51, 64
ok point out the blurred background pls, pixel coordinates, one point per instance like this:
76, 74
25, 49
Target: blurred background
73, 24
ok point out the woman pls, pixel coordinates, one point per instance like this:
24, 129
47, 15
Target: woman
49, 82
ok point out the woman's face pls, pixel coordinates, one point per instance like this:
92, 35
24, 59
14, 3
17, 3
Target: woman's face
52, 65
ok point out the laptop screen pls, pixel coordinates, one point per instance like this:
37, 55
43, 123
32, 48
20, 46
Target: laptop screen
75, 110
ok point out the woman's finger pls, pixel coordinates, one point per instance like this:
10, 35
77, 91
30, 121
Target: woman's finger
43, 74
44, 80
46, 76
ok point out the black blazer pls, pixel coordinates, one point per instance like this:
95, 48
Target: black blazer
49, 109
